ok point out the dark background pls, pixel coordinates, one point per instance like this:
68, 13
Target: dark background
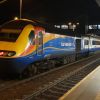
51, 11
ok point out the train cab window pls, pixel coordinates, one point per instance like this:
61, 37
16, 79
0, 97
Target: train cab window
32, 37
10, 31
10, 35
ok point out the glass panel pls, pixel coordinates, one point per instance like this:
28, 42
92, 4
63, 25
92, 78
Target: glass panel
95, 42
86, 42
9, 35
32, 37
11, 30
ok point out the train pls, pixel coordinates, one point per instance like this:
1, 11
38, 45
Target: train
25, 48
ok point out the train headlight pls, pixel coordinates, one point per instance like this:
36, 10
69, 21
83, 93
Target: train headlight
11, 54
7, 53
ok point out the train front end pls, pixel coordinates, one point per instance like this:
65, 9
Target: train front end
15, 46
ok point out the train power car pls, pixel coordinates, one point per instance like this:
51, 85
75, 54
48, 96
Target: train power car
25, 47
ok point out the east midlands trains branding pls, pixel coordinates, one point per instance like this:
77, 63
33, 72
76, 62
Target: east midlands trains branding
66, 44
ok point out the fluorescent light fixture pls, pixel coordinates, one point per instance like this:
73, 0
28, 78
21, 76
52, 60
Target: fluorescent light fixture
2, 1
98, 2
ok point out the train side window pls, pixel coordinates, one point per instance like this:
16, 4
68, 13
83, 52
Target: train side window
86, 42
95, 42
32, 37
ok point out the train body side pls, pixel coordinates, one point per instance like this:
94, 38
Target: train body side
58, 45
35, 45
46, 46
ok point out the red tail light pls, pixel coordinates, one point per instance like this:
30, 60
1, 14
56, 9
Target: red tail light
7, 53
1, 53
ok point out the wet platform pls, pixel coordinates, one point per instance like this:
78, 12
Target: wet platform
86, 89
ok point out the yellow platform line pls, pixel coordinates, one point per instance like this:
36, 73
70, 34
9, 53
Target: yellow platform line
98, 96
78, 84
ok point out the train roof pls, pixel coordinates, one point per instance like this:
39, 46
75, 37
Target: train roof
20, 23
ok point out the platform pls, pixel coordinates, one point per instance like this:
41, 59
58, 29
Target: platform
86, 89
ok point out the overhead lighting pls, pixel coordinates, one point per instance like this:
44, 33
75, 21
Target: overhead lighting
57, 26
74, 26
64, 26
98, 2
77, 23
69, 23
2, 1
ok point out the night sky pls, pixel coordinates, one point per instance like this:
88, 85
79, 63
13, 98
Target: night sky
50, 11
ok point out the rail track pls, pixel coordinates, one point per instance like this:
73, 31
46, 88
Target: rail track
8, 83
56, 89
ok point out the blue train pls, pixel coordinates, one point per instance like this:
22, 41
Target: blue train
26, 47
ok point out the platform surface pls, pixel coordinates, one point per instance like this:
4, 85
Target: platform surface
87, 89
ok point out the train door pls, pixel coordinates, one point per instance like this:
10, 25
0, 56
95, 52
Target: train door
78, 45
39, 39
86, 44
78, 48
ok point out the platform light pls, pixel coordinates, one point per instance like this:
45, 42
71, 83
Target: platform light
57, 26
93, 26
77, 23
89, 27
74, 26
69, 23
16, 18
54, 25
98, 26
64, 26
